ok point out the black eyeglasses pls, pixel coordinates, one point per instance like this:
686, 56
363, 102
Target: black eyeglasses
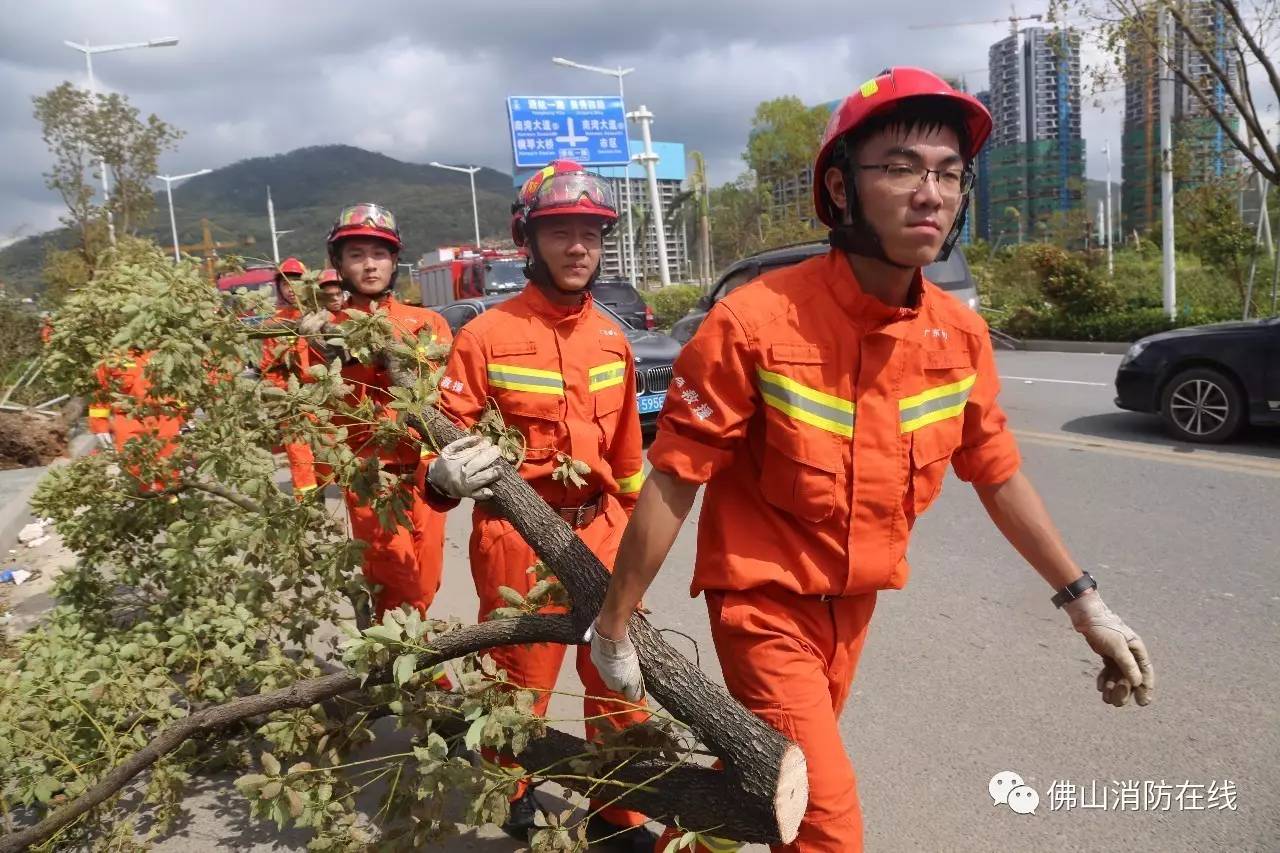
953, 182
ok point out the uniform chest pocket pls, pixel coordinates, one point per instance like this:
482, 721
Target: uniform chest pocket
530, 397
934, 419
607, 381
807, 432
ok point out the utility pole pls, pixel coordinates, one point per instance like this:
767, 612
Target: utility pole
1111, 266
1169, 282
168, 190
650, 161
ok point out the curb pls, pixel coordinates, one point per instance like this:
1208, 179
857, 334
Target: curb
1103, 347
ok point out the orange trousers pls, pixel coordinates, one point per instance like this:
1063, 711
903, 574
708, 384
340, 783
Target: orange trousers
306, 473
164, 428
406, 562
790, 659
501, 557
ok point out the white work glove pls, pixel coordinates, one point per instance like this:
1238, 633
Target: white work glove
313, 323
466, 468
617, 663
104, 440
1126, 668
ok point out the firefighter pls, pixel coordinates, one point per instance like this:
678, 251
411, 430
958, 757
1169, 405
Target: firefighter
405, 561
332, 299
821, 406
145, 418
562, 373
286, 356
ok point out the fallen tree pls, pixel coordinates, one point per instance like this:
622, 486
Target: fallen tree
175, 547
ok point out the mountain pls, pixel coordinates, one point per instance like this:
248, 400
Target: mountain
308, 187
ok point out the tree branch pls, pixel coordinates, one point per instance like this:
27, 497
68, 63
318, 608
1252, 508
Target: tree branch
1255, 47
304, 694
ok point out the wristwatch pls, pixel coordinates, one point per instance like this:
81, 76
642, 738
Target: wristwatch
1074, 590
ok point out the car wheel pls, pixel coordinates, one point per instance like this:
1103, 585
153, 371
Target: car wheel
1202, 405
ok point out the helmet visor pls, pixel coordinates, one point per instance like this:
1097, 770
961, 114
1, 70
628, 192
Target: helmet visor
572, 190
368, 215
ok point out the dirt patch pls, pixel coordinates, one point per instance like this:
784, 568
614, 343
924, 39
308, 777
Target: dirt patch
28, 441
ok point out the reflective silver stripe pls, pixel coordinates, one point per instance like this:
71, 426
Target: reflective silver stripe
796, 400
936, 404
525, 380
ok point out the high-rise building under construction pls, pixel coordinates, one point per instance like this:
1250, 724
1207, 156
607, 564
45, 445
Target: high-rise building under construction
1034, 163
1202, 152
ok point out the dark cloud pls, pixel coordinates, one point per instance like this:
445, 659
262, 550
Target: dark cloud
426, 80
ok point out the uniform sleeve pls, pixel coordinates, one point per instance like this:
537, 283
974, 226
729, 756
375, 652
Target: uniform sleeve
712, 397
625, 453
441, 328
464, 388
988, 453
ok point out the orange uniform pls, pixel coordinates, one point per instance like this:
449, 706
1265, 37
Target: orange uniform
822, 422
405, 561
282, 357
565, 377
159, 418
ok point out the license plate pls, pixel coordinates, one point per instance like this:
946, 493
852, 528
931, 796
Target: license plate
650, 403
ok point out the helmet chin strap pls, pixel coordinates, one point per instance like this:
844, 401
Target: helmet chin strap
537, 271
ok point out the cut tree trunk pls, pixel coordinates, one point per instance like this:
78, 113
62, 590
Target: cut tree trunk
764, 772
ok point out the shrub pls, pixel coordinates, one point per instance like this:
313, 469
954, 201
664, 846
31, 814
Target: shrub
673, 302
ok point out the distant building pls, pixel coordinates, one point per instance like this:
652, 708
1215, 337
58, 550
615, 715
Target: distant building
1034, 164
1202, 153
670, 170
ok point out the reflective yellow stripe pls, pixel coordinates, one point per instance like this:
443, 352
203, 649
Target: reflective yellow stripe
936, 404
99, 411
606, 376
628, 485
305, 488
516, 378
833, 414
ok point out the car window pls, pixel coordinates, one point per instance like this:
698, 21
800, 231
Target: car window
458, 315
734, 280
622, 294
951, 274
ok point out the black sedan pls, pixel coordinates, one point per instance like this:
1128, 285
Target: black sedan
1205, 381
654, 352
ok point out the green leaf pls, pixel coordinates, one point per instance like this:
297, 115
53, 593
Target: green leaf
510, 596
474, 731
402, 670
271, 790
250, 783
270, 764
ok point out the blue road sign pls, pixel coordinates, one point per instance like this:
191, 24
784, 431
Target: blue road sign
591, 130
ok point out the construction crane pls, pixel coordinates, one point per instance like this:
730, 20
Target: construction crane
209, 249
1013, 20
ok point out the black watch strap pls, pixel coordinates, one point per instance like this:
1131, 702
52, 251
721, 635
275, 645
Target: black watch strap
1074, 590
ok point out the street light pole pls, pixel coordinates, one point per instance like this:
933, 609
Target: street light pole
1169, 281
88, 52
475, 210
168, 190
629, 259
650, 160
1111, 268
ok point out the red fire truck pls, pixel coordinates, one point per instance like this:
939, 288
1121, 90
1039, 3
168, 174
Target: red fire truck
461, 272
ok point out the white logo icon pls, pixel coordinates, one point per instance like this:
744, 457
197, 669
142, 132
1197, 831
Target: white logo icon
1000, 786
1024, 799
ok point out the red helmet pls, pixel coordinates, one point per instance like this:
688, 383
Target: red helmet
329, 276
365, 220
291, 266
562, 188
891, 88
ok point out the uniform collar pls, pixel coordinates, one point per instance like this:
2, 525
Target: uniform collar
360, 302
544, 307
864, 309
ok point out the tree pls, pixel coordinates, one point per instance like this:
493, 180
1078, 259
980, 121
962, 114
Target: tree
1208, 224
83, 132
197, 611
1227, 38
784, 138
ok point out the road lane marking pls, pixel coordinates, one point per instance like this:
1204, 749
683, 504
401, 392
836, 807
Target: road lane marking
1059, 381
1208, 459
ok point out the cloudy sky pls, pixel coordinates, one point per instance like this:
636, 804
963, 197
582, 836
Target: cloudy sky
427, 80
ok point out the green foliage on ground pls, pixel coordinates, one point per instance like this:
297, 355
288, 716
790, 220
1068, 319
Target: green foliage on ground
671, 303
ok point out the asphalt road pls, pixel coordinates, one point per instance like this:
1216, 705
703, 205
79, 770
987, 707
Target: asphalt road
970, 671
